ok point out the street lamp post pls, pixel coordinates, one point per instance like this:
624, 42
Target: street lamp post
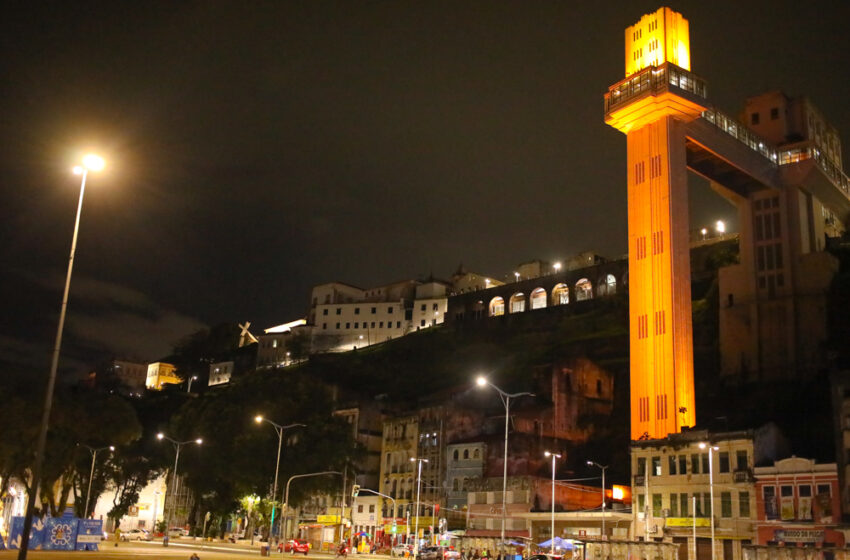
711, 449
189, 384
418, 487
177, 446
554, 456
91, 162
602, 467
506, 400
286, 494
279, 429
93, 452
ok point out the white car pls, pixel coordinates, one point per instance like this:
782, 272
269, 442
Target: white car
402, 550
135, 535
178, 532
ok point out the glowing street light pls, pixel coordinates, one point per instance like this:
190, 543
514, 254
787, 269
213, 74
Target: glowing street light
482, 381
189, 384
720, 226
557, 267
177, 445
95, 163
711, 448
554, 456
279, 429
703, 231
94, 453
516, 275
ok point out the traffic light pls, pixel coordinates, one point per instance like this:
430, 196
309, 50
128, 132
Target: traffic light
355, 489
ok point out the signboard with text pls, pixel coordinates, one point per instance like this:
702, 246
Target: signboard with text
688, 522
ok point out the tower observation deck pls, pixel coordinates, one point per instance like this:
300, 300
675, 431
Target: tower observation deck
789, 193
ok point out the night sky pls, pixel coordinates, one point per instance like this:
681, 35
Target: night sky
256, 149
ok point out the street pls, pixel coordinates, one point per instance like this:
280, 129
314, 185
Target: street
174, 551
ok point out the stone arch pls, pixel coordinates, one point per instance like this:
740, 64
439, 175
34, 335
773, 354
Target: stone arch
497, 306
538, 298
517, 302
560, 294
584, 290
610, 284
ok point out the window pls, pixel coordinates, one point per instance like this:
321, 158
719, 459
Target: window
743, 504
560, 294
726, 504
741, 460
324, 326
683, 505
455, 484
360, 508
705, 468
398, 324
356, 325
497, 306
422, 307
455, 456
434, 307
584, 290
641, 466
390, 310
674, 505
683, 464
422, 322
708, 506
824, 490
771, 509
672, 461
357, 311
338, 310
518, 303
466, 453
656, 466
324, 311
641, 502
724, 461
656, 505
754, 118
373, 324
337, 325
476, 454
371, 508
381, 325
774, 113
374, 310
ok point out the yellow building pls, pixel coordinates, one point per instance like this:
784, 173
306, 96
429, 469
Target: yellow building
672, 491
159, 374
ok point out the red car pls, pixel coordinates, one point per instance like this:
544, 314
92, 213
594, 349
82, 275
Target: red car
294, 545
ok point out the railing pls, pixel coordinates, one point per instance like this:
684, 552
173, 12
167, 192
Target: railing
654, 79
810, 152
741, 133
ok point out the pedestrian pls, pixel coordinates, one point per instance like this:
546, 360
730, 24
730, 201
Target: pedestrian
117, 534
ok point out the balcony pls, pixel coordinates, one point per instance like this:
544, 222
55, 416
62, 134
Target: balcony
652, 81
741, 133
742, 476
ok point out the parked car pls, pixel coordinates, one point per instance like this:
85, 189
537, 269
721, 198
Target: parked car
178, 532
546, 557
401, 550
295, 545
438, 553
135, 535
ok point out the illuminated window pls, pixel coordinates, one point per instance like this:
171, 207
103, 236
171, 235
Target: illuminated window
497, 306
584, 290
518, 303
560, 294
538, 298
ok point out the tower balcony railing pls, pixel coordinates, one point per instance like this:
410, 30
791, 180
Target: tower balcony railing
653, 80
741, 133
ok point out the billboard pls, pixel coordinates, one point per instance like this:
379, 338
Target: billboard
58, 533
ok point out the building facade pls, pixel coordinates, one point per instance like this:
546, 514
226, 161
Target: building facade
672, 492
798, 504
464, 464
159, 374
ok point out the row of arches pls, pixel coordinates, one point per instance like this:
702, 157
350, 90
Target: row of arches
538, 298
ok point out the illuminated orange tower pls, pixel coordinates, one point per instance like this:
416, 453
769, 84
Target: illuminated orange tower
652, 106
